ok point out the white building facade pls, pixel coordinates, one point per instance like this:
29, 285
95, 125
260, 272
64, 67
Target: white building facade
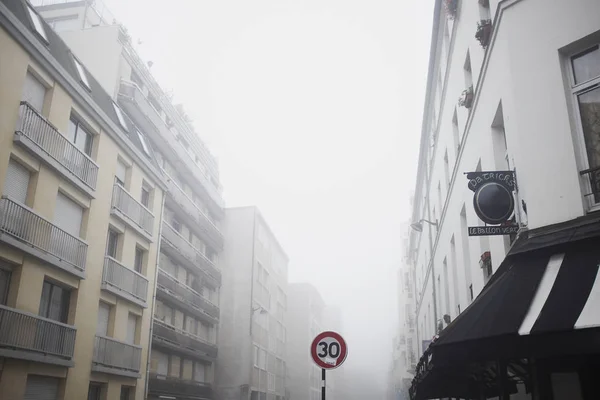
251, 364
532, 106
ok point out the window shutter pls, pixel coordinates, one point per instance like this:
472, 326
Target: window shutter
34, 92
163, 364
131, 323
103, 316
17, 182
68, 215
4, 283
41, 388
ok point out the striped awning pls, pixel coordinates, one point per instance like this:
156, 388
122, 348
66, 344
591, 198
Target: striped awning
542, 302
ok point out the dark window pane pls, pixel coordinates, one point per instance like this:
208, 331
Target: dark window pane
45, 300
4, 284
145, 197
139, 259
586, 65
589, 107
94, 391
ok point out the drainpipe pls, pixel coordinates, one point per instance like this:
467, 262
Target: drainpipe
148, 361
251, 361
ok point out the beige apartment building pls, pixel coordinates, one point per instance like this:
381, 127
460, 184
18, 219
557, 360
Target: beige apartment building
186, 312
82, 196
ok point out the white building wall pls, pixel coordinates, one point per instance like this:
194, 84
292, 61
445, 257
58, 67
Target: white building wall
523, 82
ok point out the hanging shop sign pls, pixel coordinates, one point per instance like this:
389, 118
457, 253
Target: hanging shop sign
494, 202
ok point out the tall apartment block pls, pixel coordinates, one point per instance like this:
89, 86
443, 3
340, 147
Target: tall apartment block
252, 338
306, 309
80, 210
186, 314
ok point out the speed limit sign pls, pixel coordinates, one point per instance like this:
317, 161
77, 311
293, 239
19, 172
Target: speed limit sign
329, 350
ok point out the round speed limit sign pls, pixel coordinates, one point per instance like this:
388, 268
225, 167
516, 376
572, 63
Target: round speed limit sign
329, 350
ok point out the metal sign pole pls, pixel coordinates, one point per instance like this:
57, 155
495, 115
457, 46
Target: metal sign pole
323, 389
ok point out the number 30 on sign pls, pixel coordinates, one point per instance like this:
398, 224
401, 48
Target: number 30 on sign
329, 350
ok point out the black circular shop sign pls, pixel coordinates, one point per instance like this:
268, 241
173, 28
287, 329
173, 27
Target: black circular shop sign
493, 202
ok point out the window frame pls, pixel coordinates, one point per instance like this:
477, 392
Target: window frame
80, 126
142, 139
138, 263
116, 235
83, 78
120, 117
65, 302
576, 90
37, 23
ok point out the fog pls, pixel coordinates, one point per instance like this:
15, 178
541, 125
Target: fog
313, 108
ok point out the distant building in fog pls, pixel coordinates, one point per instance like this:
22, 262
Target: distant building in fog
251, 363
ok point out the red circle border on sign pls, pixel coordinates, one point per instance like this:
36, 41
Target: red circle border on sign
343, 349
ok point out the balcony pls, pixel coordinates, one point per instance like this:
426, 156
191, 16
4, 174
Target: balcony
135, 103
42, 139
117, 358
30, 337
172, 287
165, 385
132, 212
124, 282
22, 228
184, 252
206, 229
173, 339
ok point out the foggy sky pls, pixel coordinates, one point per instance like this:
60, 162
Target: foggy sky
313, 108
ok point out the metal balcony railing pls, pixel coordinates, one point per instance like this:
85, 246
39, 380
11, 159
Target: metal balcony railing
187, 293
182, 338
132, 209
115, 354
160, 384
21, 330
125, 279
23, 224
190, 253
206, 225
41, 132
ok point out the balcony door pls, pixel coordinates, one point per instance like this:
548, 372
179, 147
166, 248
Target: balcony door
68, 216
34, 92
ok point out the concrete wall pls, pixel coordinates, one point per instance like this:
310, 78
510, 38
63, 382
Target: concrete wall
522, 83
29, 273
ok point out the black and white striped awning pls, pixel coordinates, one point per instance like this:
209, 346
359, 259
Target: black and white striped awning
542, 302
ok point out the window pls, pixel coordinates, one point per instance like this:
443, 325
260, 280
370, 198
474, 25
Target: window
154, 103
175, 366
471, 292
79, 136
54, 303
17, 180
112, 244
121, 174
103, 318
37, 23
159, 363
127, 393
255, 348
138, 263
4, 284
132, 320
81, 71
95, 391
145, 197
34, 92
176, 225
120, 116
135, 78
586, 89
143, 142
